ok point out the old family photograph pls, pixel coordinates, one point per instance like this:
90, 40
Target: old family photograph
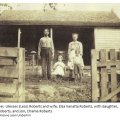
55, 52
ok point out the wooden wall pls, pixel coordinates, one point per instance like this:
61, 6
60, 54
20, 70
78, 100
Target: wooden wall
107, 38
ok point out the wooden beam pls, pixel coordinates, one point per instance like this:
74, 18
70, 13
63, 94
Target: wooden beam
8, 88
6, 94
11, 72
108, 63
109, 96
8, 52
8, 99
8, 61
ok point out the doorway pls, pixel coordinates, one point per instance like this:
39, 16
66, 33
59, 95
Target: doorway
63, 35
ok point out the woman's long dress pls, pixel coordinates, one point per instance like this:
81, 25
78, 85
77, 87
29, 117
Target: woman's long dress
75, 46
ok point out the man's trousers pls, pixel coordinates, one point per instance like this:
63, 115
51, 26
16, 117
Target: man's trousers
46, 58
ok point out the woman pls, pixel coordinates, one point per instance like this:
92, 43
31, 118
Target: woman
75, 53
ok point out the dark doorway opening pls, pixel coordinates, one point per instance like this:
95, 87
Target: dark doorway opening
30, 37
8, 36
63, 35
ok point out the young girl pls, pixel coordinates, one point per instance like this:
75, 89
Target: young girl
71, 64
78, 66
59, 67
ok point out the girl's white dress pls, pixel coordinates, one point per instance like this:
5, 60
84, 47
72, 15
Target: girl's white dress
59, 68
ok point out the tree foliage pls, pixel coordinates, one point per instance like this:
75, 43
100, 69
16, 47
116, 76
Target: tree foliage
4, 6
52, 6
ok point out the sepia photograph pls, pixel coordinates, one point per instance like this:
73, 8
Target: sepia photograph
59, 52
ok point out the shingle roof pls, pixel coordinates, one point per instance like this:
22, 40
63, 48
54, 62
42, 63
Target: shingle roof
85, 18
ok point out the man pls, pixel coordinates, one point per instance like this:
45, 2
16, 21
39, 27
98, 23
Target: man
75, 50
46, 54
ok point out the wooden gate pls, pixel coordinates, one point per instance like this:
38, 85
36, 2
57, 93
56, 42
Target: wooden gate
105, 75
12, 74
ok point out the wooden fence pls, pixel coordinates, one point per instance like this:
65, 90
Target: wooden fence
105, 75
12, 74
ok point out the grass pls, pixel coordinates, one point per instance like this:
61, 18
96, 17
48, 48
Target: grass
38, 90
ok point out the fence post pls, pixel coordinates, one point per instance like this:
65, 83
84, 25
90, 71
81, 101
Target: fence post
104, 75
21, 79
95, 90
113, 74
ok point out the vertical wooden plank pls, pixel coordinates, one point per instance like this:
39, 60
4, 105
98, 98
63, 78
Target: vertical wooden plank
118, 66
104, 75
113, 74
23, 86
19, 35
21, 66
22, 96
95, 90
51, 33
16, 96
19, 74
119, 55
33, 62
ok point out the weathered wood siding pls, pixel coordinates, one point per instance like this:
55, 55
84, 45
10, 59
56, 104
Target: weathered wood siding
107, 38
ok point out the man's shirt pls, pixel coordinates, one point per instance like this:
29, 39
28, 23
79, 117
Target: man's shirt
45, 42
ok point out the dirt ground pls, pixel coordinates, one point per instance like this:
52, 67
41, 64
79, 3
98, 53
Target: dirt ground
38, 90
